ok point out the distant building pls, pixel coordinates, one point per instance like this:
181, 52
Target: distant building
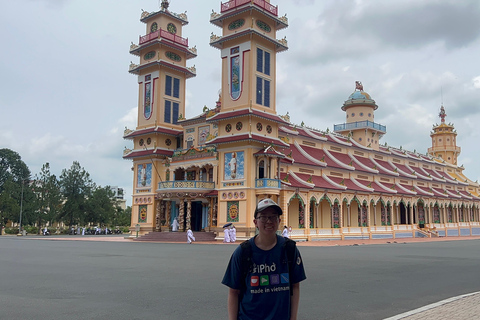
119, 196
213, 168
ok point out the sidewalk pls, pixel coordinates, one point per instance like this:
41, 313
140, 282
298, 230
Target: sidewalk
464, 307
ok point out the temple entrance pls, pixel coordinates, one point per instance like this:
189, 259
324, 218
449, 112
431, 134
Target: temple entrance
403, 213
196, 220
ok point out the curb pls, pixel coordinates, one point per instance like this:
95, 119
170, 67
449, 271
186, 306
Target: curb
430, 306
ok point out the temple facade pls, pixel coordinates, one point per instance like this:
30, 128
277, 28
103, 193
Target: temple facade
212, 169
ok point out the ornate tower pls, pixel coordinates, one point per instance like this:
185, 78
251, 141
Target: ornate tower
444, 142
360, 112
162, 75
247, 120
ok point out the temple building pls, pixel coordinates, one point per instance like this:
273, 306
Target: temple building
212, 169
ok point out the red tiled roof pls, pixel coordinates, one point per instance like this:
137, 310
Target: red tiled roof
384, 165
318, 181
403, 170
347, 183
366, 162
439, 192
423, 191
298, 156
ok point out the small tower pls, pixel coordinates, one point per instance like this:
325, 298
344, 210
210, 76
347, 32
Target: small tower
360, 112
444, 142
162, 73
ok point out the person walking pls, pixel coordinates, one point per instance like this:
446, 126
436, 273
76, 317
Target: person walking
190, 237
264, 272
285, 232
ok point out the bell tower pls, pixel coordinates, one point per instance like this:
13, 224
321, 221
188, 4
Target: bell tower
161, 75
444, 140
246, 115
360, 113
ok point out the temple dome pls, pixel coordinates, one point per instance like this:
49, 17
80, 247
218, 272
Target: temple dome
359, 95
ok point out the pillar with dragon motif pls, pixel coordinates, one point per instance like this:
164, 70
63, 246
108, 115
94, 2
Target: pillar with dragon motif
189, 214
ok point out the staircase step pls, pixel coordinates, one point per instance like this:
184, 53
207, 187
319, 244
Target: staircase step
176, 237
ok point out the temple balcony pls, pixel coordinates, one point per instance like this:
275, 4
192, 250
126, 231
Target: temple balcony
360, 125
163, 34
230, 5
265, 183
184, 185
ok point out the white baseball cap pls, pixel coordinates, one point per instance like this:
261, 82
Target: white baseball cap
268, 203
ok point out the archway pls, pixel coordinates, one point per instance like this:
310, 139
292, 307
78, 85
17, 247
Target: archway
403, 213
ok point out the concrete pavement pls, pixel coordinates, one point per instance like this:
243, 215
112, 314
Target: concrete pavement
460, 307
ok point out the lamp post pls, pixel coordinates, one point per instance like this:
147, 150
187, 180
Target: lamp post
21, 209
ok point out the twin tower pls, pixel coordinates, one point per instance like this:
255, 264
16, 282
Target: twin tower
196, 162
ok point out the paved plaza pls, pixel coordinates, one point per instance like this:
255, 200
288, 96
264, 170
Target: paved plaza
50, 277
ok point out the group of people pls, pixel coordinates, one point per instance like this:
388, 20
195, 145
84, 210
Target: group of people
230, 234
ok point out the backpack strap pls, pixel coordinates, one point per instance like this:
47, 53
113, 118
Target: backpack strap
245, 262
289, 247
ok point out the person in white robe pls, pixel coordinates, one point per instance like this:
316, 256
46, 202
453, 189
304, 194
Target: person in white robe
190, 237
226, 237
45, 231
83, 231
285, 232
233, 234
175, 225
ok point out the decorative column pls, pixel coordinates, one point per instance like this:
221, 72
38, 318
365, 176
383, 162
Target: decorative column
214, 212
167, 215
340, 214
162, 214
157, 216
181, 215
189, 214
397, 209
348, 215
209, 216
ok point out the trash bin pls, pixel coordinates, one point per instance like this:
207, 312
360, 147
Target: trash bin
24, 233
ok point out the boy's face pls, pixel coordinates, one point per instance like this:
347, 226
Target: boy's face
267, 221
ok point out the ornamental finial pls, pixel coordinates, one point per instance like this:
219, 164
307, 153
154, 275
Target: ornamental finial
358, 85
165, 5
442, 114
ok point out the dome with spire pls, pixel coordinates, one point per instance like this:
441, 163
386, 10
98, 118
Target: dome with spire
359, 97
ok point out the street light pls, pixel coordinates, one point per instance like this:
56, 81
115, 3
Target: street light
21, 209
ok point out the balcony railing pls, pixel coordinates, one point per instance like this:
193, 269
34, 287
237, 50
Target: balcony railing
260, 3
164, 34
267, 183
187, 184
360, 125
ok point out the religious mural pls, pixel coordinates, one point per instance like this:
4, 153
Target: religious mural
203, 133
232, 211
234, 162
142, 214
147, 106
235, 78
144, 175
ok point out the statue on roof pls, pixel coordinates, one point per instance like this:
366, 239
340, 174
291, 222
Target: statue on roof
442, 114
165, 5
358, 85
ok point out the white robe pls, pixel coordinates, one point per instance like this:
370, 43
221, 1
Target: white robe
175, 225
233, 235
190, 236
226, 238
285, 233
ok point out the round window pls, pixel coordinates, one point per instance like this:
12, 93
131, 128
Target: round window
269, 129
154, 27
239, 126
259, 126
149, 140
353, 114
168, 142
171, 28
228, 127
141, 142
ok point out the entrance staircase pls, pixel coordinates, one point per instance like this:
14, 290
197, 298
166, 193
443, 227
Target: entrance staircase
200, 236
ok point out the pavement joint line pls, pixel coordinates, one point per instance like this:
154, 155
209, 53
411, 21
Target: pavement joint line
431, 306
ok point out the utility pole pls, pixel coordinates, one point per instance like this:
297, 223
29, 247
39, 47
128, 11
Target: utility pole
21, 209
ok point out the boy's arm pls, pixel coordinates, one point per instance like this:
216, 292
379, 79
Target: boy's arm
295, 300
233, 303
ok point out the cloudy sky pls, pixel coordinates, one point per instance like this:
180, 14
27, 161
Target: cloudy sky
66, 94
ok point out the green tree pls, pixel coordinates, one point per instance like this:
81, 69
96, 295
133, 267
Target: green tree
101, 206
48, 197
76, 187
14, 177
122, 217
